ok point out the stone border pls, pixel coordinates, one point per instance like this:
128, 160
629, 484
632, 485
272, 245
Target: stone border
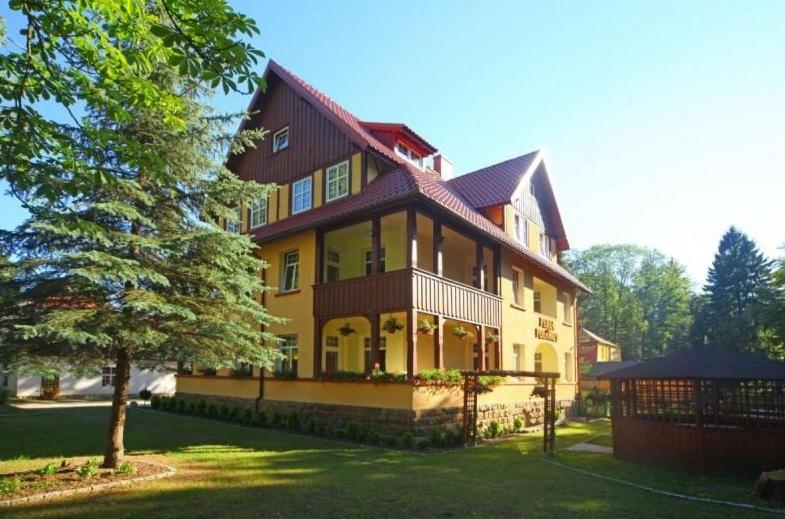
170, 471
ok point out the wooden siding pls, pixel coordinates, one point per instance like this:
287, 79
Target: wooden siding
713, 450
404, 289
387, 292
314, 141
454, 300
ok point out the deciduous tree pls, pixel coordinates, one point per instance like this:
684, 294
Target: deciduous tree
123, 259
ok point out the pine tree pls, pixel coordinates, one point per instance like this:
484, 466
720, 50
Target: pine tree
736, 289
123, 259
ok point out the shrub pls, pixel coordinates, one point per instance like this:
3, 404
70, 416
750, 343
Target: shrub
374, 437
259, 419
247, 417
201, 407
88, 470
5, 394
50, 469
384, 376
494, 429
10, 485
212, 411
190, 408
389, 441
145, 394
322, 430
422, 444
453, 436
234, 414
277, 419
436, 438
351, 430
169, 404
223, 411
181, 405
362, 435
407, 440
126, 468
155, 402
293, 421
310, 426
517, 424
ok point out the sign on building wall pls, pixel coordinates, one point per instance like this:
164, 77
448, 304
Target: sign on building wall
546, 330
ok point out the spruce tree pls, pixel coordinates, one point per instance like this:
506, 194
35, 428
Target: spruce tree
736, 290
123, 259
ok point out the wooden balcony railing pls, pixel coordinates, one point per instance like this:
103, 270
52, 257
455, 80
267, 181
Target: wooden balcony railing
404, 289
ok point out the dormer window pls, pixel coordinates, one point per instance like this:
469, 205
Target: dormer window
407, 153
281, 139
233, 225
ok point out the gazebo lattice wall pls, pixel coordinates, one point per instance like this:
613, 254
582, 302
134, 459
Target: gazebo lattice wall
700, 424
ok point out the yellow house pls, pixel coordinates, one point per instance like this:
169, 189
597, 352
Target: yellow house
383, 263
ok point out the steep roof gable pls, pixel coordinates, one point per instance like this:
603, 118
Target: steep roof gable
500, 184
404, 182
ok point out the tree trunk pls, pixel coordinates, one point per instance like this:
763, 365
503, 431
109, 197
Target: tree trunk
113, 454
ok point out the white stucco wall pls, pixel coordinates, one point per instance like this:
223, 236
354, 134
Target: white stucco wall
156, 381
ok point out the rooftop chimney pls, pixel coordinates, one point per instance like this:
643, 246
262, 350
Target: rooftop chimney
442, 166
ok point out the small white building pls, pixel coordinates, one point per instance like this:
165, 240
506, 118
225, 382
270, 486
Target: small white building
68, 384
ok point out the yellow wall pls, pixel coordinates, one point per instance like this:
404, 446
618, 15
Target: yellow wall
519, 324
317, 188
283, 199
218, 386
356, 173
297, 307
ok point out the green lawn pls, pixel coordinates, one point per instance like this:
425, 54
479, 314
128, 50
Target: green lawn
232, 471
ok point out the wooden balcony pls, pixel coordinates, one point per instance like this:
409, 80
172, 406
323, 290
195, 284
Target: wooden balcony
405, 289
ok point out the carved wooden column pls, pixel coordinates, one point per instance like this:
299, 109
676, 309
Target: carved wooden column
411, 238
317, 347
438, 263
411, 343
438, 342
375, 357
376, 245
481, 338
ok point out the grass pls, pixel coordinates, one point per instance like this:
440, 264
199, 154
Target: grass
233, 471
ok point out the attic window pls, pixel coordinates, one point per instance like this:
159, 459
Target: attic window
407, 153
281, 139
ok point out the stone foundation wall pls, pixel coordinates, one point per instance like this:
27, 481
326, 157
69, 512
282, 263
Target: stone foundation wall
393, 422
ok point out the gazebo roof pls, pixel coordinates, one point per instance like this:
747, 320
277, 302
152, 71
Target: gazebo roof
602, 369
706, 361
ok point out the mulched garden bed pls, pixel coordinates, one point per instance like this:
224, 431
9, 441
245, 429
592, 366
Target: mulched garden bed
72, 476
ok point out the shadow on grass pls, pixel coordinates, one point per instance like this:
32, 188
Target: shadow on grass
231, 471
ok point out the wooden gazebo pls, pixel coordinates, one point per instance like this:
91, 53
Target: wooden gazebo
705, 409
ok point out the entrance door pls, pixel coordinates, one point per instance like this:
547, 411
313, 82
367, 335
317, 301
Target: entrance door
50, 387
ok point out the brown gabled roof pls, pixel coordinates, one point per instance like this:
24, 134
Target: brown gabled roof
494, 184
585, 335
705, 361
402, 183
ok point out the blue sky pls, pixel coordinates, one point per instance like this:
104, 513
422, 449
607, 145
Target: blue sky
664, 122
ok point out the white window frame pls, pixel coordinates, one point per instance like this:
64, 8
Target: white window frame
368, 259
333, 259
281, 139
545, 245
235, 226
332, 344
407, 153
334, 175
382, 351
258, 213
289, 347
108, 376
537, 362
291, 260
537, 301
302, 196
517, 356
517, 293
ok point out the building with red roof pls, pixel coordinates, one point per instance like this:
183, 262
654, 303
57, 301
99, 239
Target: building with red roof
386, 263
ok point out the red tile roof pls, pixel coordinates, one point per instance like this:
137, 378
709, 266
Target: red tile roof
405, 182
495, 184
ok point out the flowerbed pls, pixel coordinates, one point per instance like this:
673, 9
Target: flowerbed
72, 475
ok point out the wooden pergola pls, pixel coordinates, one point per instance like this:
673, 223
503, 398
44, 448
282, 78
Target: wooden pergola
472, 388
705, 409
